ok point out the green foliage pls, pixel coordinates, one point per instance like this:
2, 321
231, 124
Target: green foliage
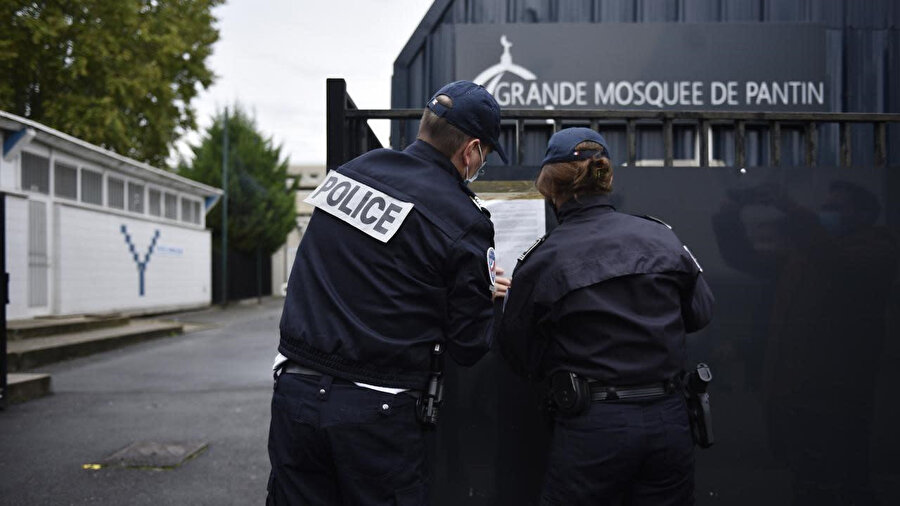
261, 206
117, 73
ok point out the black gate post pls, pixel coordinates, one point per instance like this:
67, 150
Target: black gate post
4, 300
335, 122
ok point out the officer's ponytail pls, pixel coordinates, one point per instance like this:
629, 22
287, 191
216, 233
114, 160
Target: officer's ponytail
564, 180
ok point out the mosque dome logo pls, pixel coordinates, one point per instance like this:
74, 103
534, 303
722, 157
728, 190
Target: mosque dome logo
491, 76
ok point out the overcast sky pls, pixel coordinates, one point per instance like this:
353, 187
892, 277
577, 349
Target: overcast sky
273, 56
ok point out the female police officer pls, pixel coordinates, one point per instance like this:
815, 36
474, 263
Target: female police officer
599, 309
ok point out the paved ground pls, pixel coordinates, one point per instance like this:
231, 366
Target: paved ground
211, 384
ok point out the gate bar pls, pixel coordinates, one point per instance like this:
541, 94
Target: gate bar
739, 149
631, 140
704, 143
880, 144
667, 142
812, 144
846, 146
775, 143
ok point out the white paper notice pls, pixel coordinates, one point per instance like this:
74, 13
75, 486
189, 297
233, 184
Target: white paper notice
517, 224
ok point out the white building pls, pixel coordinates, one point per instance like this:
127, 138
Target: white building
282, 260
91, 231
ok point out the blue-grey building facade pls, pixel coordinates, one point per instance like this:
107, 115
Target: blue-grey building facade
860, 53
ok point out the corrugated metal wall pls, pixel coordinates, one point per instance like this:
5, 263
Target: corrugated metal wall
863, 59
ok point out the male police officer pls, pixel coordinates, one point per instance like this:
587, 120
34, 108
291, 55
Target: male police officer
397, 258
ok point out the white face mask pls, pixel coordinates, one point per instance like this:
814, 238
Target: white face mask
480, 170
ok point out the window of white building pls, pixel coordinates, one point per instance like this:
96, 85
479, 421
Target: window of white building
91, 187
196, 213
171, 206
154, 202
187, 211
35, 173
135, 197
65, 181
115, 192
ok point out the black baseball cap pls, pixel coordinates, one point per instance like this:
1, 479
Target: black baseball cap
474, 111
561, 147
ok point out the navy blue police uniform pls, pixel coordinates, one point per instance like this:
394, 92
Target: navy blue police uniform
609, 296
395, 259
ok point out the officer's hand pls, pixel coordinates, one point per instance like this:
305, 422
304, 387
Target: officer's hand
501, 284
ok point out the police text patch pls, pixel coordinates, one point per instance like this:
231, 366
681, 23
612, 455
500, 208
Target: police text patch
369, 210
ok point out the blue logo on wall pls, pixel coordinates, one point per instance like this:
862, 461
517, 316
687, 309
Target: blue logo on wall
141, 265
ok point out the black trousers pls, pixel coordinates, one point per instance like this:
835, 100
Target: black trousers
622, 453
334, 443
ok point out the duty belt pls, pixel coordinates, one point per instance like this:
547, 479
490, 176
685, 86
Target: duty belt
292, 367
608, 393
295, 368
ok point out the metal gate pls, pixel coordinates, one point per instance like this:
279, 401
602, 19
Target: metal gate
805, 305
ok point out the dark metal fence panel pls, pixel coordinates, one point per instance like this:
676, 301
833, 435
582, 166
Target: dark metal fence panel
249, 275
641, 137
798, 156
785, 283
347, 136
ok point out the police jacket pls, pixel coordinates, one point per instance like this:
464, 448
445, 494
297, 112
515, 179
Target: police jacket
607, 295
394, 259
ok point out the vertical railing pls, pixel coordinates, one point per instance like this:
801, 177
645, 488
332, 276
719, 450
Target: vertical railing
347, 136
335, 122
350, 136
775, 143
881, 144
669, 151
812, 145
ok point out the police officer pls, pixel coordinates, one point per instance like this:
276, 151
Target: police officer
396, 264
599, 310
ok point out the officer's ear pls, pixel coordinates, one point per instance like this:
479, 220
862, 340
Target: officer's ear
472, 147
470, 153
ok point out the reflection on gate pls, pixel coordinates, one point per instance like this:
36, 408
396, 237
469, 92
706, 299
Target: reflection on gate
796, 220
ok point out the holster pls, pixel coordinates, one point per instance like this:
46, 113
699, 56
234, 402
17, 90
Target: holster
695, 385
428, 405
569, 394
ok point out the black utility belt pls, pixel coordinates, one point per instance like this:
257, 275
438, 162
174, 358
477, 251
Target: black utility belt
570, 394
608, 393
428, 401
295, 368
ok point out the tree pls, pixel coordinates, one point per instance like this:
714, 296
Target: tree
261, 206
120, 74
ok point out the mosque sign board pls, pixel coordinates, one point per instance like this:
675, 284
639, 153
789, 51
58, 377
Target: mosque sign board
648, 66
